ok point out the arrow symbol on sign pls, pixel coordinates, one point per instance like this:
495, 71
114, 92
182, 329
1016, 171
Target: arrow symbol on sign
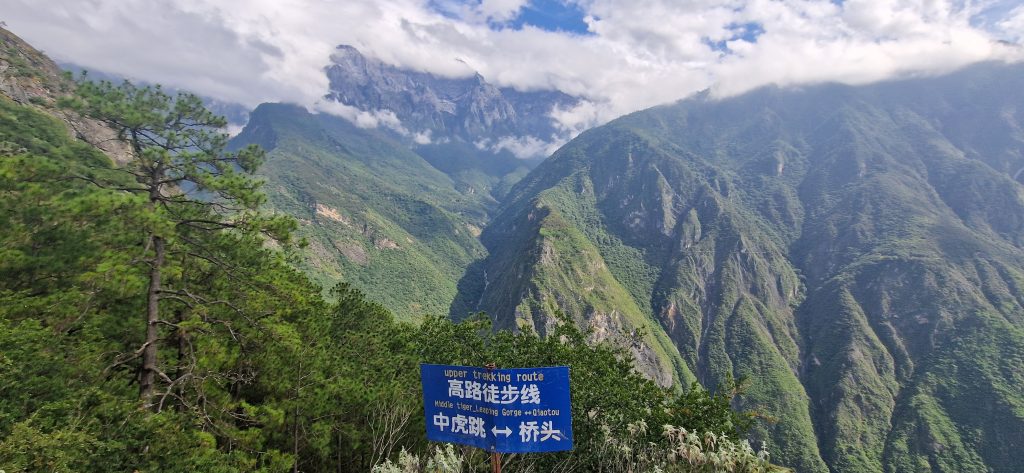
507, 431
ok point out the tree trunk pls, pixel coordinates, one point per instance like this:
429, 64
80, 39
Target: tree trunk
147, 377
295, 428
182, 368
295, 441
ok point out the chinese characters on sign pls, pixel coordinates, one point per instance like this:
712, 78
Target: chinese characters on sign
502, 410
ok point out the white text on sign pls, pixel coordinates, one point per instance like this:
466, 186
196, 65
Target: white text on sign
529, 431
492, 394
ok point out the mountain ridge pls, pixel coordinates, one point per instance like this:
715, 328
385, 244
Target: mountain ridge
377, 215
469, 109
435, 151
828, 242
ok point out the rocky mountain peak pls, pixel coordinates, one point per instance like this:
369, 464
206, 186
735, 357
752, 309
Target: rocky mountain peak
468, 109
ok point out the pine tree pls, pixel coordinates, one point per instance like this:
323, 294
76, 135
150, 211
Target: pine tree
195, 191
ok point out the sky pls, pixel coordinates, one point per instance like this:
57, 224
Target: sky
619, 55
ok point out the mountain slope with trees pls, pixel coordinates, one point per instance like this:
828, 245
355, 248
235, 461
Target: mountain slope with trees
376, 215
855, 252
151, 320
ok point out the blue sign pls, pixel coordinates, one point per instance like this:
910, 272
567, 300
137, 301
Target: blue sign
516, 410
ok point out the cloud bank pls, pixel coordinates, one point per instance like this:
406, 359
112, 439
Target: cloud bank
633, 54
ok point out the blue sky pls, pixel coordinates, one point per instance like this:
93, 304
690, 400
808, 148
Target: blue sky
746, 32
548, 15
552, 15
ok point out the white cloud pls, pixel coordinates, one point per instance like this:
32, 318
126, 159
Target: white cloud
501, 10
574, 120
498, 11
362, 118
372, 119
640, 52
523, 147
234, 129
422, 138
865, 41
1013, 26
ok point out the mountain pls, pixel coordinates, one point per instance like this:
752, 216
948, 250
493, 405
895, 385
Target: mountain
483, 136
856, 253
30, 78
394, 215
468, 108
376, 215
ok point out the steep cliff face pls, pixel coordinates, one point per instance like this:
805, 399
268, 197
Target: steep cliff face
28, 77
483, 137
856, 252
468, 109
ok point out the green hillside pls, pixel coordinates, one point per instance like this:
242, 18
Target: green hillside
103, 281
855, 252
376, 215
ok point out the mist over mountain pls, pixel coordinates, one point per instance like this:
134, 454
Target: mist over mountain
855, 252
440, 109
235, 113
393, 188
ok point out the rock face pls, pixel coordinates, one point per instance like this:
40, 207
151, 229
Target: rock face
28, 77
485, 138
855, 252
467, 109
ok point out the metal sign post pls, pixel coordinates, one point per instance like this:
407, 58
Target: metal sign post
518, 410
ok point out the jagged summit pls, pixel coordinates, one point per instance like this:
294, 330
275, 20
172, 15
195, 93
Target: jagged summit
468, 109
